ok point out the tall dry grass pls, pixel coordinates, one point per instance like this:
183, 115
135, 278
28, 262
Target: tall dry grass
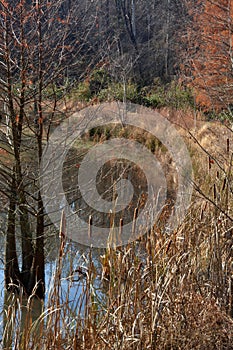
162, 292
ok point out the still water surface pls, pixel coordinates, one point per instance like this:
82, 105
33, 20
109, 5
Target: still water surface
73, 284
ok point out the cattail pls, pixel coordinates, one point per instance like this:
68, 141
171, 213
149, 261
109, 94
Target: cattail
120, 229
224, 184
228, 145
202, 214
134, 220
90, 227
215, 192
211, 161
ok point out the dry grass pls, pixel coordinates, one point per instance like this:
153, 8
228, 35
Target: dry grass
163, 292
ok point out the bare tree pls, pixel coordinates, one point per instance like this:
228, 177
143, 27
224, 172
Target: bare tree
41, 47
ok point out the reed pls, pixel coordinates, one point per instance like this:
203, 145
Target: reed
161, 292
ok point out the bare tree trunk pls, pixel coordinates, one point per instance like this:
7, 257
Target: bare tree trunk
37, 277
12, 273
26, 235
133, 18
38, 269
166, 56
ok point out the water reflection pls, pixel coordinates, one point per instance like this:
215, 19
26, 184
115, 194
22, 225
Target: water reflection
69, 287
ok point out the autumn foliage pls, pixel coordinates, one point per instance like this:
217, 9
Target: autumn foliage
212, 60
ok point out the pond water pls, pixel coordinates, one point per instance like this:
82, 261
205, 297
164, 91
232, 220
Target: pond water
72, 283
